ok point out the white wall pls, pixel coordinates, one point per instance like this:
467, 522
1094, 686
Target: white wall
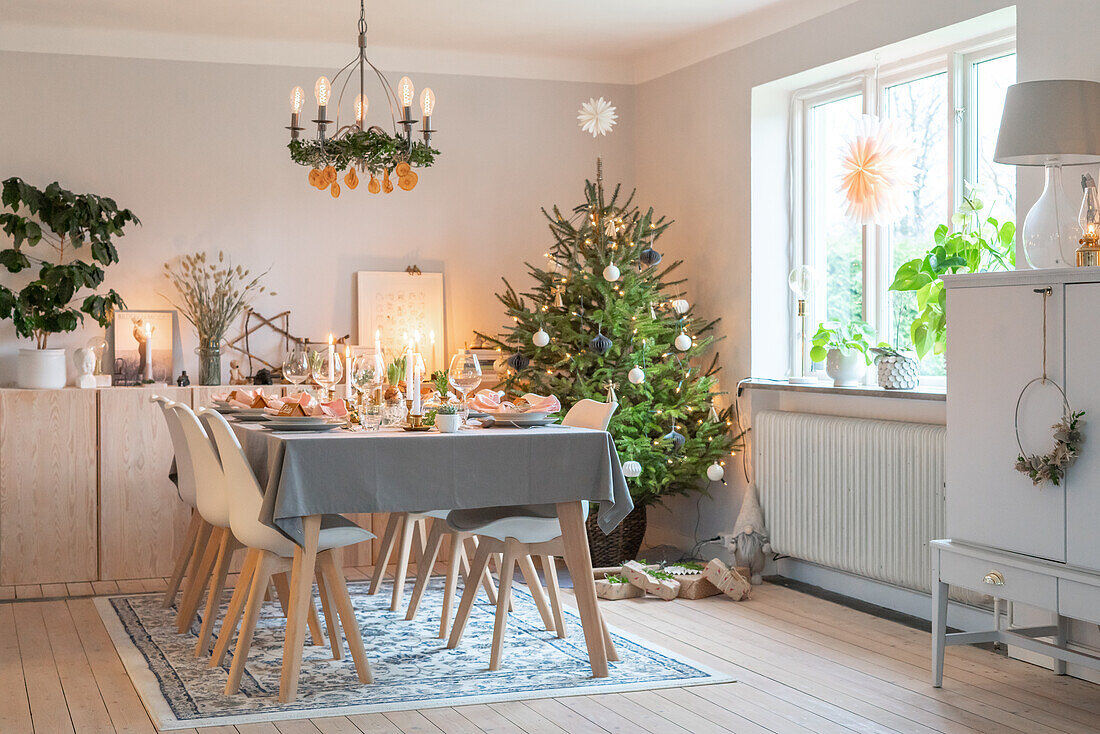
197, 151
693, 162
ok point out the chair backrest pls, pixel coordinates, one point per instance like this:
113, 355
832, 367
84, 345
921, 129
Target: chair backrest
245, 494
210, 493
590, 414
185, 471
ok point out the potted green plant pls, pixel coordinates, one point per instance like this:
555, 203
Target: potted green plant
897, 369
50, 303
447, 418
843, 348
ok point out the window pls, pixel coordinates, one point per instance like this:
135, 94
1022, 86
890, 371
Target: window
950, 103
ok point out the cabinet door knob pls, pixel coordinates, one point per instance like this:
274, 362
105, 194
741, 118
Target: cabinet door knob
995, 578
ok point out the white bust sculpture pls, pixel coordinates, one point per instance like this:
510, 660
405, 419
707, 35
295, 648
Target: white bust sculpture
85, 361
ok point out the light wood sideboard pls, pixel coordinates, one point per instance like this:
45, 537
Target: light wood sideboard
84, 488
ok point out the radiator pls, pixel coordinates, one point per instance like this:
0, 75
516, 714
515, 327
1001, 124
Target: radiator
862, 496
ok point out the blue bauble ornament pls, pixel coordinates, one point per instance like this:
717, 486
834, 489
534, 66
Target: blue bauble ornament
600, 344
650, 257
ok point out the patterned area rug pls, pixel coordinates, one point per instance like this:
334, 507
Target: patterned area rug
412, 668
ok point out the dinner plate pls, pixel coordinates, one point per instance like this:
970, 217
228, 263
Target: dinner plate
519, 415
302, 427
251, 415
226, 409
282, 419
496, 422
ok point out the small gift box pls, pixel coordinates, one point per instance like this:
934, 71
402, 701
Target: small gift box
693, 585
727, 580
658, 583
617, 587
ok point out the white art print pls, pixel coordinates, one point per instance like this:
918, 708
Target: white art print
398, 306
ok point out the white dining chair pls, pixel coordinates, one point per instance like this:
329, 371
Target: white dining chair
198, 531
270, 552
520, 533
212, 500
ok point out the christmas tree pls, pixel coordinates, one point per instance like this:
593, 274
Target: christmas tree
604, 320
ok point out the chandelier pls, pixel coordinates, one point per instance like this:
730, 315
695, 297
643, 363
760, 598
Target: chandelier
372, 150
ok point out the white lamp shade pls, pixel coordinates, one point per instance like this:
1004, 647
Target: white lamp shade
1050, 120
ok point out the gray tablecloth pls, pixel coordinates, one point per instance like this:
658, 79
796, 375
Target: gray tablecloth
396, 471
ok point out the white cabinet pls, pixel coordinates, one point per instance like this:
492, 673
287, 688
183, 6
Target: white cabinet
1083, 387
1038, 545
994, 347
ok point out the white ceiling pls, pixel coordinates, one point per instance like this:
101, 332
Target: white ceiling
598, 40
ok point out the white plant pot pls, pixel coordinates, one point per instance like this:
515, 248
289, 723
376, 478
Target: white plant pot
448, 423
845, 369
41, 369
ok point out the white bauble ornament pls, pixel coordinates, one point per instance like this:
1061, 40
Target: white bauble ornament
636, 375
715, 472
681, 306
611, 273
540, 338
631, 469
683, 342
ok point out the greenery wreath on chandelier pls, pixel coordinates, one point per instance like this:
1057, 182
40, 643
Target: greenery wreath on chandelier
372, 150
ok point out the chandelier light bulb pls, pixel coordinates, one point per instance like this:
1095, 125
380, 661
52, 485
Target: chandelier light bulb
405, 89
362, 104
427, 101
297, 97
321, 91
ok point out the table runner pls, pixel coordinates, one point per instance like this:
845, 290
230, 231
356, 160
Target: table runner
396, 471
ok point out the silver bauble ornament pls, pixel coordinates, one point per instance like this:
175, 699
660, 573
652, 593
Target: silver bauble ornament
650, 257
715, 472
636, 375
540, 338
631, 469
600, 344
611, 273
682, 342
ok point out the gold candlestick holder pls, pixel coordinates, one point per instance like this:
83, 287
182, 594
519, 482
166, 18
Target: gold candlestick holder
416, 420
1088, 254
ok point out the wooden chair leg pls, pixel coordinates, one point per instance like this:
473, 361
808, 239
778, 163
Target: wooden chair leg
420, 542
458, 553
481, 559
384, 552
608, 643
338, 588
404, 549
316, 636
282, 590
192, 596
256, 593
486, 577
550, 570
424, 567
201, 539
512, 552
184, 559
531, 576
226, 548
330, 618
236, 608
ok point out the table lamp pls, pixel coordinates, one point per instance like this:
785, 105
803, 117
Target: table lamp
1050, 123
801, 282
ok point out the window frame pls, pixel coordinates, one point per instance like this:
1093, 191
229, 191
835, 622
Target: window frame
959, 61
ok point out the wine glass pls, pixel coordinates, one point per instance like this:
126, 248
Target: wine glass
296, 368
364, 375
328, 370
464, 376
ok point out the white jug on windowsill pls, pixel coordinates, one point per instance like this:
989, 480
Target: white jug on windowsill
846, 368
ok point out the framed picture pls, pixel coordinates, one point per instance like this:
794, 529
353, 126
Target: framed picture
398, 307
145, 345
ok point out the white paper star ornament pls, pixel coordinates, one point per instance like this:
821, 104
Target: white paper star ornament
597, 116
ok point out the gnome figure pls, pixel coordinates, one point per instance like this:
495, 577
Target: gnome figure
750, 536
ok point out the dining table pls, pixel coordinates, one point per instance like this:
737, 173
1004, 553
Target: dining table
550, 471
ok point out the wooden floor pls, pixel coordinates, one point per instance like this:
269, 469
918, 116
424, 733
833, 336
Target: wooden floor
802, 665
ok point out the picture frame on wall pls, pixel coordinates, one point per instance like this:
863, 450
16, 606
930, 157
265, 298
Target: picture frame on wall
145, 345
398, 305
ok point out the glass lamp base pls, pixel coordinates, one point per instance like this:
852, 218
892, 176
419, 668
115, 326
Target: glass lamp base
1050, 229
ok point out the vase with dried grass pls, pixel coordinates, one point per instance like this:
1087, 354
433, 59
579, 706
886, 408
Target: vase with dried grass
212, 294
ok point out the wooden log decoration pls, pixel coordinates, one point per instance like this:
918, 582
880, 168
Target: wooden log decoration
728, 580
658, 583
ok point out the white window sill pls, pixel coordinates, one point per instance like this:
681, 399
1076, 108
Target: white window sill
921, 392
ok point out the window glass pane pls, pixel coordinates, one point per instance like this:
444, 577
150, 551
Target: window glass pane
992, 79
921, 107
836, 242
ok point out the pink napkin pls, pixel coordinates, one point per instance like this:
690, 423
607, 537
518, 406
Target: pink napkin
486, 401
537, 403
335, 409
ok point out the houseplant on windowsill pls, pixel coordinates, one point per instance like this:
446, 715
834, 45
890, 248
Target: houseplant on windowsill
897, 370
212, 295
48, 304
843, 348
